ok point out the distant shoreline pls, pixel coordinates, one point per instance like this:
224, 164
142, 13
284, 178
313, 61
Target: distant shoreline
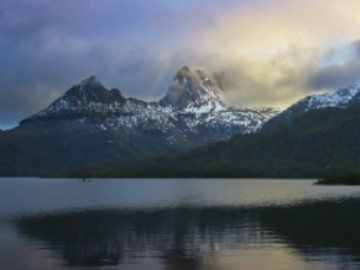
349, 180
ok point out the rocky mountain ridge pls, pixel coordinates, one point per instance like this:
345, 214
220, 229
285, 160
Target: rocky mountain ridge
193, 108
341, 98
90, 123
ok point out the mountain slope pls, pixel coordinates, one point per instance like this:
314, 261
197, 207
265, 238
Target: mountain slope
319, 142
90, 123
341, 98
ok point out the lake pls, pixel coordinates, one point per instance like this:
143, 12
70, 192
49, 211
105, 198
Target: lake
178, 224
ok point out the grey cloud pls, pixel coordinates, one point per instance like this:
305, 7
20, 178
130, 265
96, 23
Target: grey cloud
39, 79
336, 76
47, 46
9, 120
25, 18
356, 46
333, 77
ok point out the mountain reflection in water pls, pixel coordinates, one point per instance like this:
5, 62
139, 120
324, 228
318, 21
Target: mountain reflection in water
200, 238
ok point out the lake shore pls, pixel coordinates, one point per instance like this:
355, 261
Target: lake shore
349, 179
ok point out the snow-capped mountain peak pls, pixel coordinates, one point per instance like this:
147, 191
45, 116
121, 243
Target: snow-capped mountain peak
193, 91
91, 90
87, 97
192, 110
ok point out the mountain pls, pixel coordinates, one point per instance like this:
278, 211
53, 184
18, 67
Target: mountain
341, 98
318, 143
193, 92
90, 123
193, 108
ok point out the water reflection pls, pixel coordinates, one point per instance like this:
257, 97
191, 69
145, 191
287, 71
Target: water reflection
320, 229
179, 237
200, 238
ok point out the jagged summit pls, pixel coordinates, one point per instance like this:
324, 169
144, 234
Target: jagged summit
89, 83
192, 110
91, 89
183, 72
87, 97
193, 91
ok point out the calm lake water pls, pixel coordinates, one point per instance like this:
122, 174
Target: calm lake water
178, 224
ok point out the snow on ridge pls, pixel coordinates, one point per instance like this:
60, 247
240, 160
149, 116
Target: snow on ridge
340, 98
89, 102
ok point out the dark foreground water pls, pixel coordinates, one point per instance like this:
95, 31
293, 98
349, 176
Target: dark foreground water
178, 224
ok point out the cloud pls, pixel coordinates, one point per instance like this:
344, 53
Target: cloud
275, 48
47, 46
273, 51
335, 76
341, 69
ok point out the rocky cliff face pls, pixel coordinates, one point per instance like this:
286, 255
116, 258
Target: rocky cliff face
193, 92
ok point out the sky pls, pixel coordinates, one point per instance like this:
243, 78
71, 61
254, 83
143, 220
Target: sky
271, 52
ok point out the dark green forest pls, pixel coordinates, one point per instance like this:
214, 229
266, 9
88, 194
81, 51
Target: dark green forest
316, 144
34, 150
